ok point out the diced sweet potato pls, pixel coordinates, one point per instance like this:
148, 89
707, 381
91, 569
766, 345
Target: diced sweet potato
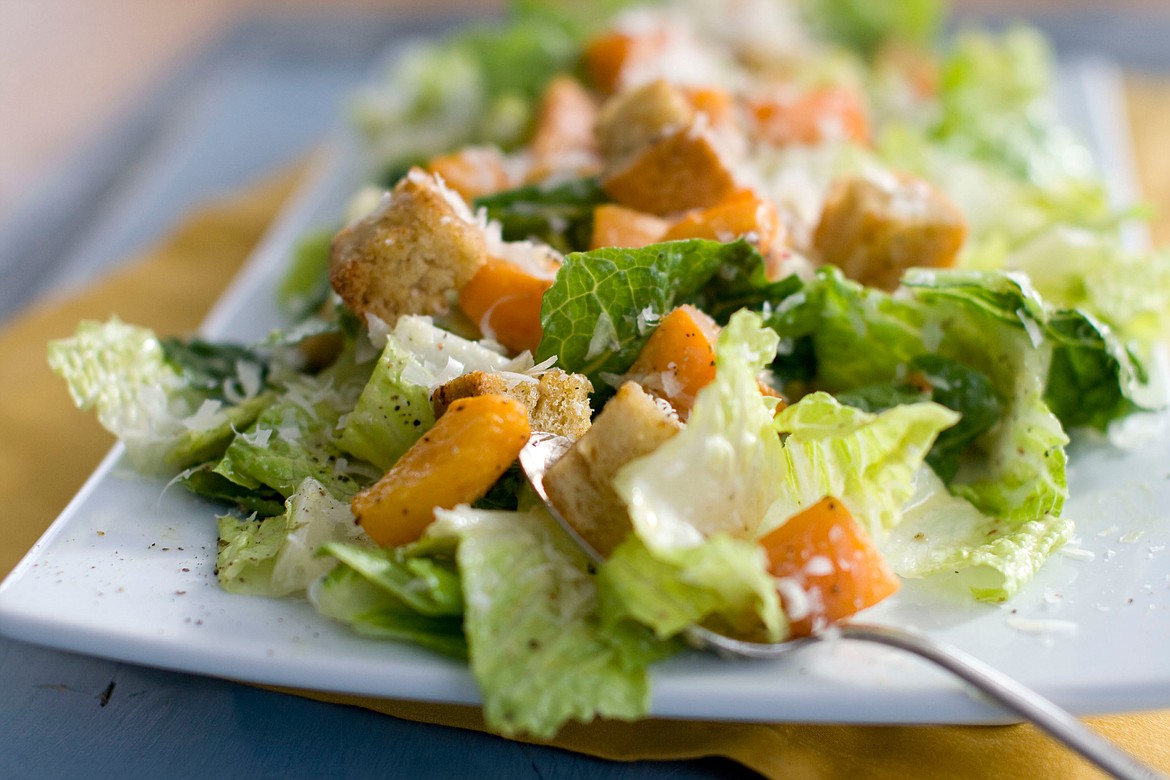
580, 484
678, 360
716, 103
504, 300
788, 116
609, 57
745, 215
411, 254
619, 226
455, 462
875, 230
473, 171
833, 563
565, 124
684, 169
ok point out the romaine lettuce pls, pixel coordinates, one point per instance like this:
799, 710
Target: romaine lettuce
538, 648
166, 424
605, 303
391, 413
276, 556
410, 594
867, 461
945, 536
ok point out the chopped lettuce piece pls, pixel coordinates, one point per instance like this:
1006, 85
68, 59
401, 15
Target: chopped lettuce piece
604, 304
944, 535
202, 480
407, 594
1086, 269
538, 647
296, 437
276, 556
722, 583
166, 424
560, 215
480, 86
718, 474
428, 585
947, 382
305, 286
697, 502
867, 461
391, 413
864, 25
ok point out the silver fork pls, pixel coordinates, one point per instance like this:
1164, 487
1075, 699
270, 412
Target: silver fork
544, 449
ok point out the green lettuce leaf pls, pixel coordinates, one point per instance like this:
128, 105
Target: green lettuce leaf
202, 480
305, 287
539, 649
697, 502
946, 382
391, 413
276, 556
167, 415
560, 215
410, 594
867, 461
944, 536
864, 25
296, 437
1085, 269
605, 303
722, 583
480, 86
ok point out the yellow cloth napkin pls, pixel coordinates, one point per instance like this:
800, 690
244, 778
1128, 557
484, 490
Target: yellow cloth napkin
48, 448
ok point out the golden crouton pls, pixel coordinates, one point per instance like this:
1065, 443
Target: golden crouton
684, 169
633, 119
557, 402
410, 255
580, 484
875, 230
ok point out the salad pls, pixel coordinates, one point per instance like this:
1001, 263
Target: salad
819, 308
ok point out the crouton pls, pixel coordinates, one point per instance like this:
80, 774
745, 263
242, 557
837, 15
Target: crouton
875, 230
564, 137
411, 255
684, 169
580, 484
635, 118
557, 402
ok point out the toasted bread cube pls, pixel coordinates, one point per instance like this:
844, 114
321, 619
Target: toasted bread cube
684, 169
580, 484
875, 230
557, 402
411, 255
633, 119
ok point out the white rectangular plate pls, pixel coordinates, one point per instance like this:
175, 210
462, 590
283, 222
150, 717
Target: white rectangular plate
126, 573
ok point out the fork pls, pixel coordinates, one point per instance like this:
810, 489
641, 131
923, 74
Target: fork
544, 449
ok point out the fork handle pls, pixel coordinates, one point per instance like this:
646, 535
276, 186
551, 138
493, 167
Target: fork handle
1016, 697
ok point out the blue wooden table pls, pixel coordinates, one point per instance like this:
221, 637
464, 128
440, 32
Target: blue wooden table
258, 99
